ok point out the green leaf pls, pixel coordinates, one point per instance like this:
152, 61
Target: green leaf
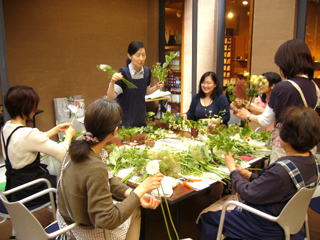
165, 64
114, 156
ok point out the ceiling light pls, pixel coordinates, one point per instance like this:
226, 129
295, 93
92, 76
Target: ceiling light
245, 2
230, 15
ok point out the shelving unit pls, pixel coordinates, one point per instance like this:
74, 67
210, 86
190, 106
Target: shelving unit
173, 83
227, 60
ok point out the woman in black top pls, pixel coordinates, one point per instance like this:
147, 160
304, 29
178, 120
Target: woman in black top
132, 100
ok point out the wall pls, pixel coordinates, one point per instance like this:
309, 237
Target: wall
273, 24
54, 46
207, 44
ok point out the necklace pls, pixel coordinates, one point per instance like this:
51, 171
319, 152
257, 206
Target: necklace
206, 105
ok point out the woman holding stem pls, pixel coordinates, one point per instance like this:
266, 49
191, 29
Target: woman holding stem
85, 185
296, 65
132, 100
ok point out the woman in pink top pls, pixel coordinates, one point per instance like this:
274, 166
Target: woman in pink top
261, 102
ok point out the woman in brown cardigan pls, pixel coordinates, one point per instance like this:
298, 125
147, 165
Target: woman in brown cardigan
86, 187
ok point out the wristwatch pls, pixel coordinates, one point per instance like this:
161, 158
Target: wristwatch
249, 117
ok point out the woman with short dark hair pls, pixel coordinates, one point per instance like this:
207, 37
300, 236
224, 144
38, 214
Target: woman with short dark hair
296, 65
209, 103
86, 187
273, 188
21, 145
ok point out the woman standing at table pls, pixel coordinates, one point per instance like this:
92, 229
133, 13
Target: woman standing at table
85, 185
132, 100
273, 188
261, 102
295, 62
209, 103
21, 145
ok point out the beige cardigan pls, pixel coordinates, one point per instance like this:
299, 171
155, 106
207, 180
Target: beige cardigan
87, 191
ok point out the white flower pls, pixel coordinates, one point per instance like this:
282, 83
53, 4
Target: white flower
153, 167
237, 136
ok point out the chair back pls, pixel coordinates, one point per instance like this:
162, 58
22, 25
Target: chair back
293, 214
25, 224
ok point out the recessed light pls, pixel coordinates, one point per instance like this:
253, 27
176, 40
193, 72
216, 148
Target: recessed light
245, 2
230, 15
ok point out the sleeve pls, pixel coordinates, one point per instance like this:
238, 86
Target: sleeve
120, 84
192, 108
267, 117
117, 187
102, 211
37, 141
224, 106
261, 190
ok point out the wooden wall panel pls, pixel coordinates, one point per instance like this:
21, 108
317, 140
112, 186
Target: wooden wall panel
54, 46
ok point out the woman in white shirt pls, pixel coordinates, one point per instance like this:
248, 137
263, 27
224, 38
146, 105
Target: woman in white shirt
21, 145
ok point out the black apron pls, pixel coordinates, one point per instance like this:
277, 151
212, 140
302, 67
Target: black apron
132, 100
33, 171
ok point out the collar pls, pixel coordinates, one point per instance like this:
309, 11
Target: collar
134, 72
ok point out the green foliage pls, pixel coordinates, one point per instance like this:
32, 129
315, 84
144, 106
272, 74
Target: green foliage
160, 72
169, 165
230, 93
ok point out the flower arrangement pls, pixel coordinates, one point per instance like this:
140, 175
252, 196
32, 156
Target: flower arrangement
160, 72
236, 93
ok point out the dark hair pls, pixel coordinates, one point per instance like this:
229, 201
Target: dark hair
273, 78
216, 91
21, 101
101, 118
300, 128
133, 48
294, 57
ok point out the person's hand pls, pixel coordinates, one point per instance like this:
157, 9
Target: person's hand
160, 84
116, 77
63, 127
243, 172
231, 164
150, 183
242, 114
70, 131
185, 116
148, 201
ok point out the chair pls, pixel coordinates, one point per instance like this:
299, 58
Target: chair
291, 217
3, 211
25, 223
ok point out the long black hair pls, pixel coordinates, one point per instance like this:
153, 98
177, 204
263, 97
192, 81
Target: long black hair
273, 78
101, 118
216, 91
133, 48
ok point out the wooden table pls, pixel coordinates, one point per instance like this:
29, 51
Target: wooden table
181, 193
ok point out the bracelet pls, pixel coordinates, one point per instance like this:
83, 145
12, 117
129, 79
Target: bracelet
249, 117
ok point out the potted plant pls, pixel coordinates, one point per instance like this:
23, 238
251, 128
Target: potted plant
149, 116
151, 140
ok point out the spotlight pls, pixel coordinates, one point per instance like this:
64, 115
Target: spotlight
245, 2
178, 13
230, 15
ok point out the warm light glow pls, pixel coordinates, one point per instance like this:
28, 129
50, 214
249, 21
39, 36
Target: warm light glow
230, 15
245, 2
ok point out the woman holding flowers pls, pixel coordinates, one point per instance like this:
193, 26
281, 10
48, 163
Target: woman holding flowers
296, 65
261, 102
85, 186
270, 191
21, 145
209, 104
132, 100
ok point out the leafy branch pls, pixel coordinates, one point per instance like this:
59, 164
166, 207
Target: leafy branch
159, 71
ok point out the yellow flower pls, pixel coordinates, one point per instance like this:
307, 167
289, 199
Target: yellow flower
246, 74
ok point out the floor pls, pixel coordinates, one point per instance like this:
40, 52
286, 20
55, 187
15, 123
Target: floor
155, 226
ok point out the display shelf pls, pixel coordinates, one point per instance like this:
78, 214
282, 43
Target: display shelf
227, 60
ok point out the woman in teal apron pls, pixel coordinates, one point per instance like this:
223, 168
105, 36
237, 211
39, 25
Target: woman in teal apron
132, 100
